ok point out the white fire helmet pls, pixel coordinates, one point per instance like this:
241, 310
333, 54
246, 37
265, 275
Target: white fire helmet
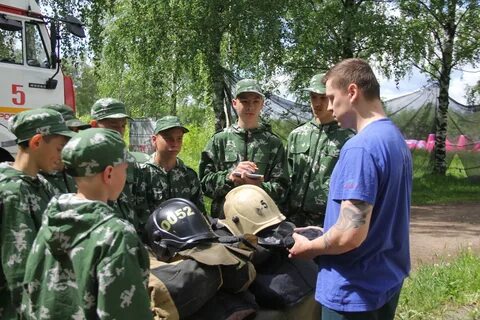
249, 209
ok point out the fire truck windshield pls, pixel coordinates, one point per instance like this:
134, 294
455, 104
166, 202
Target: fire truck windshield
12, 42
36, 51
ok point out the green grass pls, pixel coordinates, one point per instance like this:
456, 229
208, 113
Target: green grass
466, 161
444, 288
433, 189
429, 188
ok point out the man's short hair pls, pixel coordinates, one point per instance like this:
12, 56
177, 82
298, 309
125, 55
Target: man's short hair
355, 71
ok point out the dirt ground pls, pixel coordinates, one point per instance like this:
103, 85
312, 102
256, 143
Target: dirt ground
441, 231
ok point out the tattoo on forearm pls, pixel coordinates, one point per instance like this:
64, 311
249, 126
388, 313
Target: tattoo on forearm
353, 215
326, 240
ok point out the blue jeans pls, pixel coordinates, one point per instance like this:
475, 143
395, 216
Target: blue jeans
386, 312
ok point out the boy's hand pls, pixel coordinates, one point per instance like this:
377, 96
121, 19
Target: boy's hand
239, 174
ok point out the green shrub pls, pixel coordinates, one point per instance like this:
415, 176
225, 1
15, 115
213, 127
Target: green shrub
194, 142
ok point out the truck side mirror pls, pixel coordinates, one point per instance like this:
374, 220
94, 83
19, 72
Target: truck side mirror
10, 25
74, 26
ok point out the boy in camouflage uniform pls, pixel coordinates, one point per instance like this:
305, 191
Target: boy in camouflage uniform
60, 181
164, 175
41, 135
242, 149
312, 152
111, 114
87, 262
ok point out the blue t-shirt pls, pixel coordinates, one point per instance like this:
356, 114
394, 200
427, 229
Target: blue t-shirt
375, 166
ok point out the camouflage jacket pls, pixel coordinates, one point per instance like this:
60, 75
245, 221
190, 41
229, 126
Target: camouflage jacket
86, 263
234, 144
312, 151
60, 182
125, 202
154, 185
22, 201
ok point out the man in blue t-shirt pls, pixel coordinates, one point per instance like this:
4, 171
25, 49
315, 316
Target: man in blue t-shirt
364, 252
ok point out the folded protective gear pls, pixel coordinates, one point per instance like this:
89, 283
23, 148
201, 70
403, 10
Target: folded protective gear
227, 306
189, 283
282, 282
181, 288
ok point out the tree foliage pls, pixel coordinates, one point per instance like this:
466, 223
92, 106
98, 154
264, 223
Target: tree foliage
438, 36
322, 33
72, 48
158, 55
164, 56
473, 94
86, 88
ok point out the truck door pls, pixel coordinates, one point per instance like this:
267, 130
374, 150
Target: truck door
25, 69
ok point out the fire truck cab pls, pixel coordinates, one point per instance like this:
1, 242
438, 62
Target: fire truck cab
30, 73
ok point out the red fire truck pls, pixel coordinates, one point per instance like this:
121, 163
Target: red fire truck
30, 72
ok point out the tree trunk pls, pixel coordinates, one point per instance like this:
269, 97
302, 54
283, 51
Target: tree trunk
440, 152
349, 7
173, 107
217, 81
218, 98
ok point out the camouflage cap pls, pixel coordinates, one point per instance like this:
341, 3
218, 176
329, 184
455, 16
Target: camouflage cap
168, 122
92, 150
26, 124
66, 111
248, 85
106, 108
77, 123
68, 115
316, 84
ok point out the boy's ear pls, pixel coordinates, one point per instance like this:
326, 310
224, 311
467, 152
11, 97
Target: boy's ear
107, 175
94, 123
34, 141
